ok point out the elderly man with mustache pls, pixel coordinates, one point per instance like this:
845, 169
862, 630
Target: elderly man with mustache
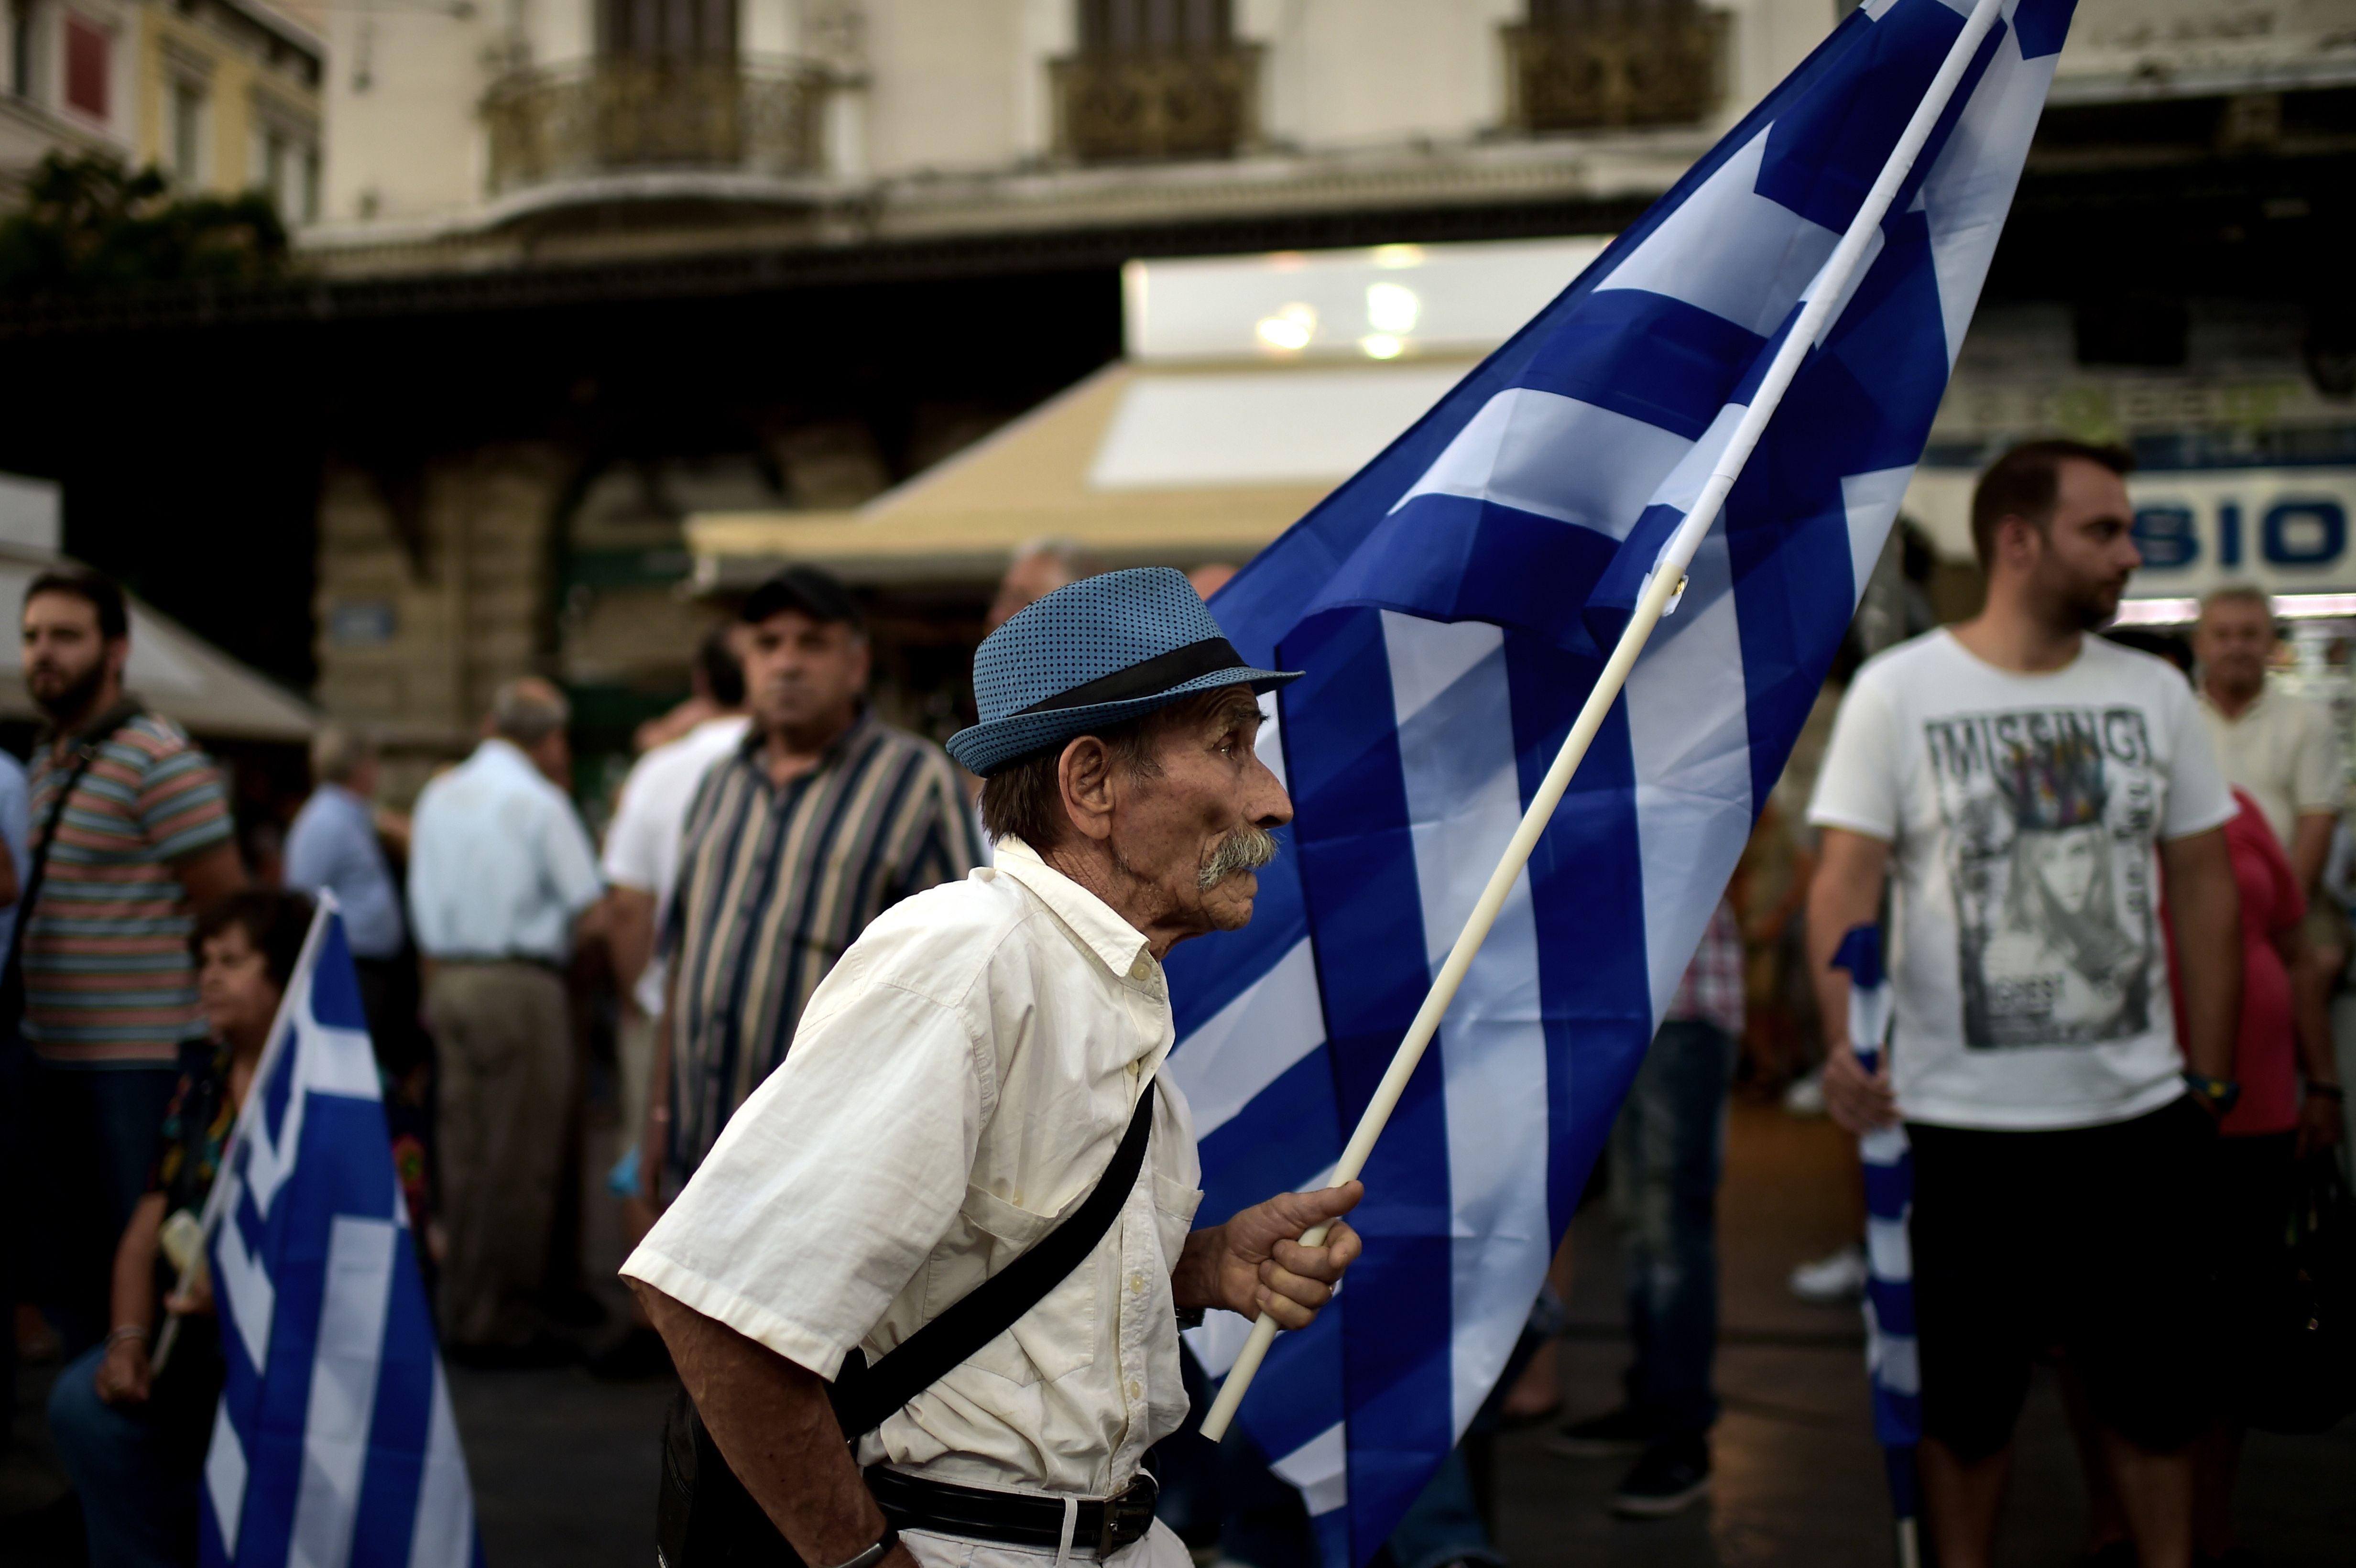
974, 1080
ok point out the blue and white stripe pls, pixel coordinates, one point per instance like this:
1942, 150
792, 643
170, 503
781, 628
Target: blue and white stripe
1890, 1357
334, 1445
1453, 604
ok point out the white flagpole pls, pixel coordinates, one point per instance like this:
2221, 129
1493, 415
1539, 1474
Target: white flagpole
1829, 293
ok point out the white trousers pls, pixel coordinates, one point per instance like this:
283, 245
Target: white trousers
1159, 1549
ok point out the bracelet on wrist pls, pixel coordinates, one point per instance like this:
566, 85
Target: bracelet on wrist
2329, 1091
2219, 1093
124, 1333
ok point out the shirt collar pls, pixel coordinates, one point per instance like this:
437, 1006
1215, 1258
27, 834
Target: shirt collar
498, 752
2265, 689
1102, 931
755, 741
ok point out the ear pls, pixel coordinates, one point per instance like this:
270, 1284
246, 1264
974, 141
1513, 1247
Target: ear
2017, 540
1084, 778
118, 655
862, 660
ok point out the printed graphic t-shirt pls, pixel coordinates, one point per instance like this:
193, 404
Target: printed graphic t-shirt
2024, 812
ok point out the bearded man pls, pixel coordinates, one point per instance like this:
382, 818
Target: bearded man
131, 839
959, 1085
2020, 786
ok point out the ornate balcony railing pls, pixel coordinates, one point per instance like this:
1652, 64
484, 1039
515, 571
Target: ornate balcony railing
608, 116
1659, 67
1190, 104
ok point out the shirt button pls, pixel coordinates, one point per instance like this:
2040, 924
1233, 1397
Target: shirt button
1142, 968
1136, 1388
1137, 1284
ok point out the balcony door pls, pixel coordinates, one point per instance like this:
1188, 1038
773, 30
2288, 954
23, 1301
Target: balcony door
1156, 79
666, 83
668, 31
1154, 26
1591, 64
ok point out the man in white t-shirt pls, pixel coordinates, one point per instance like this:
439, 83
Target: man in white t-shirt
642, 854
2029, 790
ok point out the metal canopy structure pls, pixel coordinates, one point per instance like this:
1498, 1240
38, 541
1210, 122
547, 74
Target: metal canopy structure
174, 671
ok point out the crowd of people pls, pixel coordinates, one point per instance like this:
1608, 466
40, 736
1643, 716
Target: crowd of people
2108, 894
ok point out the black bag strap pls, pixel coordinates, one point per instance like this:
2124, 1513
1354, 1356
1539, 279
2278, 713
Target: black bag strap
703, 1516
37, 870
865, 1396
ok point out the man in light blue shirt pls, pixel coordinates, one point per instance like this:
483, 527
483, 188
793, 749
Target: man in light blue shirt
333, 845
500, 869
16, 829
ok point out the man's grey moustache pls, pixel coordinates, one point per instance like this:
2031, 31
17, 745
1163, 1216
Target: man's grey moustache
1247, 849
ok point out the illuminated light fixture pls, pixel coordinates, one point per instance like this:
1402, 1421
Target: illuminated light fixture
2184, 612
1392, 307
1380, 346
1290, 329
2155, 611
1396, 256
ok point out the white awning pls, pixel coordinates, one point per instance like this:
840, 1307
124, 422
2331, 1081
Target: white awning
1143, 467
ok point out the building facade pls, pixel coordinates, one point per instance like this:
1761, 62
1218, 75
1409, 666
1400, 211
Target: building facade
221, 95
586, 268
691, 122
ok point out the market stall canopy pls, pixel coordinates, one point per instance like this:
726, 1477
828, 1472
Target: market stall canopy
1251, 387
173, 670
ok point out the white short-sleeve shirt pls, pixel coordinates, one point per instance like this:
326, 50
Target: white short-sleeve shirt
2282, 750
642, 843
2024, 812
957, 1085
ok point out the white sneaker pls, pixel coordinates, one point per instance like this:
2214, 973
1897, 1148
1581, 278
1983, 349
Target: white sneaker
1805, 1097
1840, 1277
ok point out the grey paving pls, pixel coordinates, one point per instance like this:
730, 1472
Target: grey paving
564, 1466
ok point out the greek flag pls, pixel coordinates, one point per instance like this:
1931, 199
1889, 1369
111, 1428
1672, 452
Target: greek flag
1891, 1359
334, 1445
1452, 604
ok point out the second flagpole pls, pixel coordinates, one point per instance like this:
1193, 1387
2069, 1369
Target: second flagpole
1826, 295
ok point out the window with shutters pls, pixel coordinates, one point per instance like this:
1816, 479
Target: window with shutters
86, 67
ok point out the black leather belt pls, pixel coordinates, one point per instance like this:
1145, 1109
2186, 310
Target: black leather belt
1013, 1518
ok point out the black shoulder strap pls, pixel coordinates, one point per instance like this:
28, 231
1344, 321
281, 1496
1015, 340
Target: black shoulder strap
30, 876
864, 1396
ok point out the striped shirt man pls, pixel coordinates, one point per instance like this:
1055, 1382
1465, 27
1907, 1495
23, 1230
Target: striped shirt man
108, 979
774, 882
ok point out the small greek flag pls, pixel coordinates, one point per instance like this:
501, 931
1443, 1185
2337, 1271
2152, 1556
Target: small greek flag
334, 1445
1890, 1353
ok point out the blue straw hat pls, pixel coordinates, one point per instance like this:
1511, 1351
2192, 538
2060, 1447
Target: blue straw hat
1092, 654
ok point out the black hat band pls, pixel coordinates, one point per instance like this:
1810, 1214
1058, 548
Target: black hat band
1149, 679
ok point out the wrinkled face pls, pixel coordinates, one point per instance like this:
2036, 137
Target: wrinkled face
1197, 826
66, 658
234, 990
2087, 553
800, 672
2232, 641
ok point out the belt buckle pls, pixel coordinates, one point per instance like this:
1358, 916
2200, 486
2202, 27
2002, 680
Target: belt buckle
1128, 1517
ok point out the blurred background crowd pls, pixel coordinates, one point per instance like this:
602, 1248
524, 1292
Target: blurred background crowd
428, 371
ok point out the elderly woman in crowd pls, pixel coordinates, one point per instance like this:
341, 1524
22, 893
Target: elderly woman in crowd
133, 1434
